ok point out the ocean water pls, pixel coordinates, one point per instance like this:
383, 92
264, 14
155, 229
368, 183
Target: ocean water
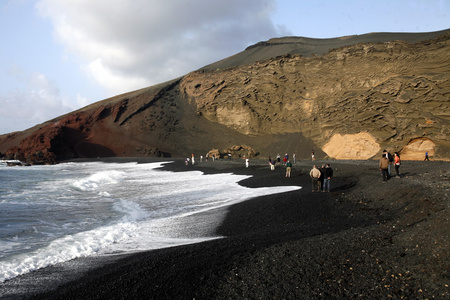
53, 214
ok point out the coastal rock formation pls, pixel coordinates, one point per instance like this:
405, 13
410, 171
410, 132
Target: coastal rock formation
344, 98
416, 149
239, 151
348, 146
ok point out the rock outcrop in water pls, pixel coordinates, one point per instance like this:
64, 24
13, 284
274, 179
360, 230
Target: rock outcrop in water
344, 98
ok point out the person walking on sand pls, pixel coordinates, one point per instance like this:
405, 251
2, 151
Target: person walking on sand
288, 168
397, 164
426, 157
293, 156
312, 155
315, 174
384, 164
327, 178
246, 162
278, 158
192, 159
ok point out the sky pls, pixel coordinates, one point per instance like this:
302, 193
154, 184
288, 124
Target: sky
57, 56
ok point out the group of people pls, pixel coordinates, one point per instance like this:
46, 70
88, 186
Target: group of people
321, 178
386, 162
286, 162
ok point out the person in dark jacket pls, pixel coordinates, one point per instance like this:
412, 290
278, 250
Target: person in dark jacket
322, 176
327, 178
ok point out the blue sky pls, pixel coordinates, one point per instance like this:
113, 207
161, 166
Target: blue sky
60, 55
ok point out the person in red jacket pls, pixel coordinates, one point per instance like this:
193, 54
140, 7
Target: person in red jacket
397, 164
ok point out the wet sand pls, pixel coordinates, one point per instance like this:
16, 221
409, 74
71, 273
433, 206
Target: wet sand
365, 239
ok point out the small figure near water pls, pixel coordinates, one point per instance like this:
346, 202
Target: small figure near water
426, 157
315, 174
288, 168
271, 164
246, 162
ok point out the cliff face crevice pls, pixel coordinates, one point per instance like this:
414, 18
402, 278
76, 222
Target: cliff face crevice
366, 94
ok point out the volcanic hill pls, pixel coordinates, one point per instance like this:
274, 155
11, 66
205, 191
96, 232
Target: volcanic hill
343, 98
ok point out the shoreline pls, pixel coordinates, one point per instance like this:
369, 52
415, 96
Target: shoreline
357, 241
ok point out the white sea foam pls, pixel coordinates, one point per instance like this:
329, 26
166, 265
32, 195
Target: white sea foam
100, 178
98, 208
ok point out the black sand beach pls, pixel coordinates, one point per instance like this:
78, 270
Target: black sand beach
365, 239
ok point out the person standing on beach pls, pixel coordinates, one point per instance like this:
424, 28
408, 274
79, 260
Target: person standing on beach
384, 164
193, 159
426, 157
327, 178
312, 156
397, 164
315, 174
322, 176
271, 164
288, 168
246, 162
293, 156
390, 159
278, 157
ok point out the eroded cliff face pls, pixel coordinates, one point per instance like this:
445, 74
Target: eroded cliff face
351, 102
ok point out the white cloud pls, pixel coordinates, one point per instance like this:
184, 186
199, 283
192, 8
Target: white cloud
39, 101
126, 45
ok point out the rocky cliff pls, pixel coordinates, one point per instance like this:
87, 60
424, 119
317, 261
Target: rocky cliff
344, 98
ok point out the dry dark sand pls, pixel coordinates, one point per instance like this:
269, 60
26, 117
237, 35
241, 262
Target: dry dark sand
365, 239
